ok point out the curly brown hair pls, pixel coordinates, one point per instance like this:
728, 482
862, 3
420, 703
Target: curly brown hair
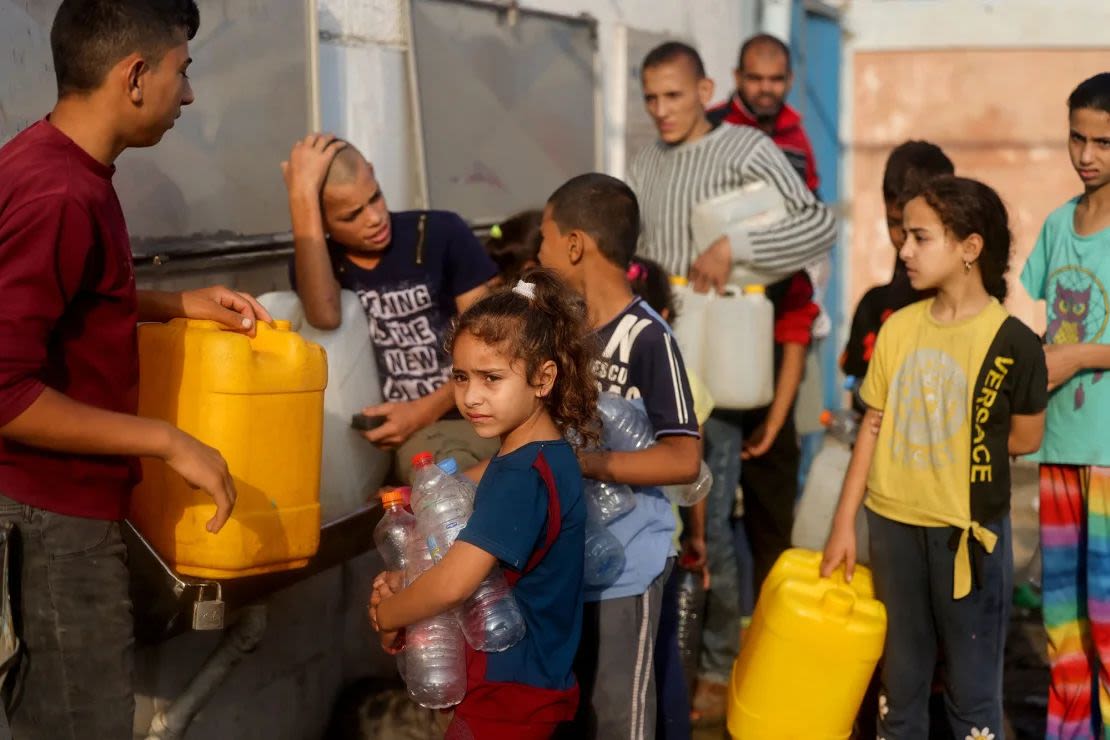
550, 326
967, 207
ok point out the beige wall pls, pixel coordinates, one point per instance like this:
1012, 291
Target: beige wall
999, 114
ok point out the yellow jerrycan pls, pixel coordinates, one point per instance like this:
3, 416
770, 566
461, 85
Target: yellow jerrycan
260, 403
809, 654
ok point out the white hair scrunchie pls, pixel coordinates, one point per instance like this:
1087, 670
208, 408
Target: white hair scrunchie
528, 290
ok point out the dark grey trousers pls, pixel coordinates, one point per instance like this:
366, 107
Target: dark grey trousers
913, 571
72, 612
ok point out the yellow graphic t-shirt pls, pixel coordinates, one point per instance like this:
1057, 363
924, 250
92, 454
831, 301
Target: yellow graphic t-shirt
947, 391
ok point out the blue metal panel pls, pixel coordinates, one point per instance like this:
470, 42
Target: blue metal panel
816, 44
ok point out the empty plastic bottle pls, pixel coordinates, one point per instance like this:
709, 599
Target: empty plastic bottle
491, 620
393, 537
440, 503
691, 493
434, 664
604, 555
451, 467
691, 610
624, 425
611, 500
843, 424
394, 530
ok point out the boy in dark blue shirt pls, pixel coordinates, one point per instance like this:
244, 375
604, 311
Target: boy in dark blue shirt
590, 228
413, 271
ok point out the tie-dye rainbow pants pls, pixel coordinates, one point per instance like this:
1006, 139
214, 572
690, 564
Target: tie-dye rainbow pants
1075, 547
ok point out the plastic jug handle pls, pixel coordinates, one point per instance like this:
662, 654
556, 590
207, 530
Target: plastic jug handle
838, 601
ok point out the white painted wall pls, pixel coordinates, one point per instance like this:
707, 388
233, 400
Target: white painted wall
953, 24
363, 82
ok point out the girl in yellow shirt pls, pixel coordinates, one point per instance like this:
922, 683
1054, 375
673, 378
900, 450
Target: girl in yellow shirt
955, 387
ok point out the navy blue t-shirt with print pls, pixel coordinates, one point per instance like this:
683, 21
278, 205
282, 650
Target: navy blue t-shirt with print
510, 522
409, 297
641, 362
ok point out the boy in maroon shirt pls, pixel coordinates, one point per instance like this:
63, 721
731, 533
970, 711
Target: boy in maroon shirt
69, 437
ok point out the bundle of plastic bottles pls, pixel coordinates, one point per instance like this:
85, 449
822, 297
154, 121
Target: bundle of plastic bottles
433, 661
625, 427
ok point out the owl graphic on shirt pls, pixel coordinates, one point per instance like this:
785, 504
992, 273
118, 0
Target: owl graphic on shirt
1069, 310
1069, 324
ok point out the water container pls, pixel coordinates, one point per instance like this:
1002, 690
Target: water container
689, 325
260, 403
604, 555
451, 467
490, 618
842, 424
754, 205
809, 654
434, 662
814, 512
611, 500
394, 530
624, 425
353, 469
690, 493
739, 368
691, 614
440, 503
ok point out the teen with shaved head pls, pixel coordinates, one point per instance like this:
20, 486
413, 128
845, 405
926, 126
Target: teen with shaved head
412, 270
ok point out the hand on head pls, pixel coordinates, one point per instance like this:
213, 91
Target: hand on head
309, 161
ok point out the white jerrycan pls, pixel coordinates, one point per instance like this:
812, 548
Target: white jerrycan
352, 468
688, 323
755, 204
738, 360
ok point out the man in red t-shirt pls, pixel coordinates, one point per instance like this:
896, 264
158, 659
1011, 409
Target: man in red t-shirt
763, 80
69, 436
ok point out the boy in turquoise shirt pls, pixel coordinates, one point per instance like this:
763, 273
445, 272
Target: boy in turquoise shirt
1070, 270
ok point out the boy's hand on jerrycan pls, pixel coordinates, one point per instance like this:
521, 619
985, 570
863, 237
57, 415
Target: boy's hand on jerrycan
205, 468
236, 311
840, 548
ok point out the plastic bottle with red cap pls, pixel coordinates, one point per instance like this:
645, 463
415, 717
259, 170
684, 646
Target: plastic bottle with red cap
440, 503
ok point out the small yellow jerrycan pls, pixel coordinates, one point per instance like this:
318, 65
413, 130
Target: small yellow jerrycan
809, 654
260, 403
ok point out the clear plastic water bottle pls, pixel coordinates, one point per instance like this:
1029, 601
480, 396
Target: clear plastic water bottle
491, 620
394, 530
843, 424
434, 665
393, 536
691, 611
691, 493
611, 501
440, 503
624, 425
451, 467
604, 555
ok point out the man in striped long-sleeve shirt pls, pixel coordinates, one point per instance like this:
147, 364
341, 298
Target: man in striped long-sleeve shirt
691, 162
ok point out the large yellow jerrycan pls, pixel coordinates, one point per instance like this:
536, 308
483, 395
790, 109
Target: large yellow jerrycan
260, 403
809, 654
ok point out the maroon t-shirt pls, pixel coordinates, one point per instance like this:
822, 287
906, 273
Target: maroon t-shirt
68, 312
